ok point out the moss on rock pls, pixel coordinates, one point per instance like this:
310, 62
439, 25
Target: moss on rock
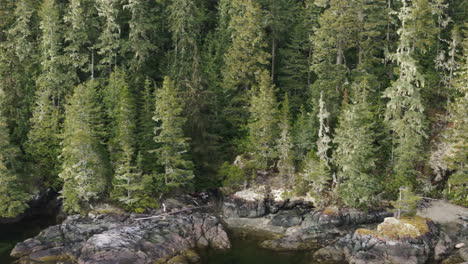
407, 227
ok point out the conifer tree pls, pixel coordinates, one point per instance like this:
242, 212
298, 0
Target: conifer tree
405, 111
56, 75
143, 28
280, 17
423, 26
172, 144
127, 181
109, 40
246, 56
316, 166
285, 145
53, 86
7, 9
21, 33
446, 60
294, 74
115, 104
324, 140
43, 144
371, 37
457, 135
316, 174
184, 25
85, 170
424, 30
303, 135
80, 20
406, 204
337, 32
262, 126
145, 129
19, 65
244, 59
356, 151
214, 49
12, 194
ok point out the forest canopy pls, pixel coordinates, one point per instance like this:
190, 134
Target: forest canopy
128, 101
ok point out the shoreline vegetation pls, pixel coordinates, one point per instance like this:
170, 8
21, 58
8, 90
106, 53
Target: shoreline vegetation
346, 104
191, 230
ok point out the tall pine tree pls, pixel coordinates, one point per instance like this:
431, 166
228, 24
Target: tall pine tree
173, 147
85, 169
356, 151
12, 194
262, 126
285, 145
109, 44
244, 60
53, 86
405, 111
457, 135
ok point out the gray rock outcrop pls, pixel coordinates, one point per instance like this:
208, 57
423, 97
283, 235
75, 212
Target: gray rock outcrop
122, 239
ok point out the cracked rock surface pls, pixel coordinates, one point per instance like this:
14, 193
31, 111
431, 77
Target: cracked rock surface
122, 239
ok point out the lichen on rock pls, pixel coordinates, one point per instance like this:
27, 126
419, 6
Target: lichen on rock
407, 227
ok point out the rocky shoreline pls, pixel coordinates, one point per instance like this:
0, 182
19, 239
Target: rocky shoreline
332, 235
166, 237
344, 235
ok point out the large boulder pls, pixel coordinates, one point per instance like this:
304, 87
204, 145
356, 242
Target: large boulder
250, 203
407, 240
314, 229
123, 239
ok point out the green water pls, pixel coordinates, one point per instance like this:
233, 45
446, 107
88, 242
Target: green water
245, 250
10, 234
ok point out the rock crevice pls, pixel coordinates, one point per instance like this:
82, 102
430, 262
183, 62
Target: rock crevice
122, 239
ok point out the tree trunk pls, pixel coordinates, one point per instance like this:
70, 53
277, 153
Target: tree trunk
273, 59
339, 53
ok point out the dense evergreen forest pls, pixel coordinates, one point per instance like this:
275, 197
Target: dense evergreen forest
129, 101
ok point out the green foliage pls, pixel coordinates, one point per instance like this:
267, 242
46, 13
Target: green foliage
244, 60
85, 169
184, 25
262, 125
285, 146
279, 18
143, 28
145, 129
354, 80
172, 145
324, 140
80, 19
246, 56
19, 67
407, 202
356, 152
12, 194
316, 176
232, 176
53, 86
43, 145
294, 74
128, 182
456, 136
405, 111
456, 189
109, 43
304, 134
